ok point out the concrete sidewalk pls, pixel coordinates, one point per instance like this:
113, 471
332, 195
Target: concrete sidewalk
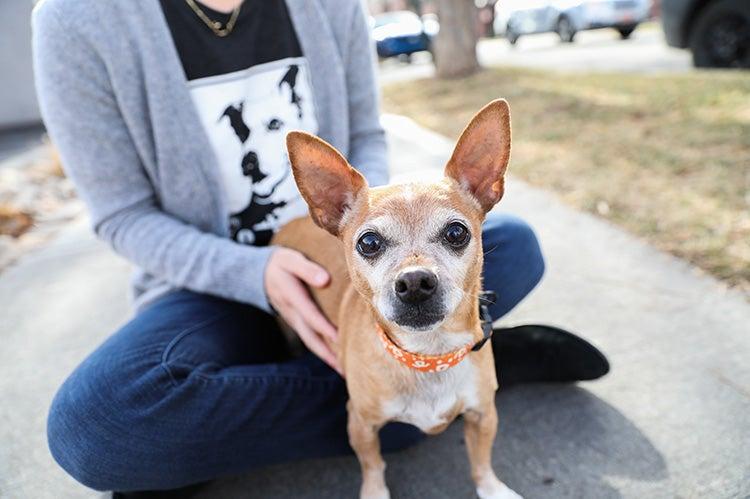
671, 420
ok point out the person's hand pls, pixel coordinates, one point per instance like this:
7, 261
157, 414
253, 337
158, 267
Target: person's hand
286, 271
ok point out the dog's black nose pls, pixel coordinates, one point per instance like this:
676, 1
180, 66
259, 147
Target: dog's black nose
415, 285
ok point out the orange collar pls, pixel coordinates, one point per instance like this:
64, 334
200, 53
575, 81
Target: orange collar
438, 363
420, 362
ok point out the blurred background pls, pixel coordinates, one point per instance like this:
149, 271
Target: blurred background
635, 110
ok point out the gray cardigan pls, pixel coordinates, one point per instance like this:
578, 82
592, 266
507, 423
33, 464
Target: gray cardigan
115, 102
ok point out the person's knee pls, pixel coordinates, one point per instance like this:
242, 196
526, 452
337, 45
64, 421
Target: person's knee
514, 239
96, 419
77, 449
523, 238
513, 261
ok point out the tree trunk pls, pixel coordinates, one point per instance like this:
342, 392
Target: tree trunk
455, 47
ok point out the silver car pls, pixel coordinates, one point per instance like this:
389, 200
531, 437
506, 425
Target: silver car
514, 18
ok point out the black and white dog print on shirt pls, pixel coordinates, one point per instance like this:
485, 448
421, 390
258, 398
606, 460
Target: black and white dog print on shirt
247, 115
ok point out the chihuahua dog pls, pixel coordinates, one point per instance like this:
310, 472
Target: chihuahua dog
405, 263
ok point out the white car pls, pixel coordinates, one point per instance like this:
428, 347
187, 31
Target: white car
514, 18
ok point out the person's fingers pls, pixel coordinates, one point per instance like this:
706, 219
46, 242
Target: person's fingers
291, 299
315, 343
296, 297
310, 272
310, 312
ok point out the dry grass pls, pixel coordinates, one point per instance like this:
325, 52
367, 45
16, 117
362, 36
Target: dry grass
667, 157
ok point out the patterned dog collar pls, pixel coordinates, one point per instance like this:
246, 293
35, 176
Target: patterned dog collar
420, 362
438, 363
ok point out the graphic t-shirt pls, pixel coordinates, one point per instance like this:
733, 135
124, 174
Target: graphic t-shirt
250, 88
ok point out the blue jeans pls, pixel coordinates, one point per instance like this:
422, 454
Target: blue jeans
196, 387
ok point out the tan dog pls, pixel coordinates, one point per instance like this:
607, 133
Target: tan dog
406, 262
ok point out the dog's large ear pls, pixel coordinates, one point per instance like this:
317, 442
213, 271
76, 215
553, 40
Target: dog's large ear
324, 178
481, 155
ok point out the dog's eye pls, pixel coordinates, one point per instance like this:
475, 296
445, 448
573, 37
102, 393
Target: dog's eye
456, 234
370, 244
275, 124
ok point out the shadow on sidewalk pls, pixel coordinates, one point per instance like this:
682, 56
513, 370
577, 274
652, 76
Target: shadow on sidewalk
553, 441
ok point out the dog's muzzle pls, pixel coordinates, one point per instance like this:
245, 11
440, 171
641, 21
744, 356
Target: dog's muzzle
418, 301
415, 286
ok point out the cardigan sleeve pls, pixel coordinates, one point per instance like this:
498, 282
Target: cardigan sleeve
367, 145
83, 119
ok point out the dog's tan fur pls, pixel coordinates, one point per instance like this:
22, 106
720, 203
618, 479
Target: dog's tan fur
380, 388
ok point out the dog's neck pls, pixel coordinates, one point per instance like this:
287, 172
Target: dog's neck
459, 330
433, 342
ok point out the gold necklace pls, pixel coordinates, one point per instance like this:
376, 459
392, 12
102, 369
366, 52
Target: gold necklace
216, 26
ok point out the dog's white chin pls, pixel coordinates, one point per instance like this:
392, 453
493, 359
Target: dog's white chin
423, 329
386, 310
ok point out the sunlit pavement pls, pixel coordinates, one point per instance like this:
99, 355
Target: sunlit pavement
600, 50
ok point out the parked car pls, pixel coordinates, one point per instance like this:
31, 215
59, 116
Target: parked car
514, 18
400, 33
716, 31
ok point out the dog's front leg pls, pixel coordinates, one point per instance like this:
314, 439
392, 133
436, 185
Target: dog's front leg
363, 437
480, 428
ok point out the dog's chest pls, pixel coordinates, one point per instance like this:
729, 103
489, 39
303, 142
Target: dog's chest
432, 401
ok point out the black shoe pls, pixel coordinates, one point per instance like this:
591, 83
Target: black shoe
535, 353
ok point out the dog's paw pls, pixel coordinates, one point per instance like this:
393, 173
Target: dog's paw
374, 488
374, 493
492, 488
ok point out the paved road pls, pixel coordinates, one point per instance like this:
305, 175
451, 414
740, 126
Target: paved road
601, 50
670, 420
